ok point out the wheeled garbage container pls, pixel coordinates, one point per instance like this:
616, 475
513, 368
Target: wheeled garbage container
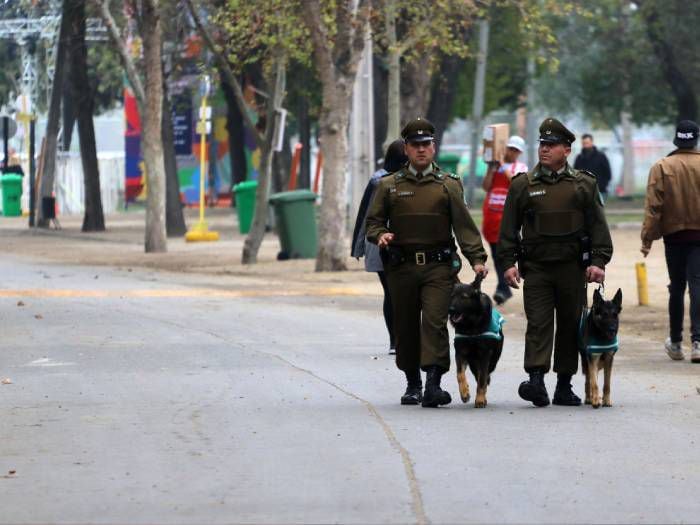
295, 214
11, 194
245, 203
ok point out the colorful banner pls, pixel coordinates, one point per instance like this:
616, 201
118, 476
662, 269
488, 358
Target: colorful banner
187, 149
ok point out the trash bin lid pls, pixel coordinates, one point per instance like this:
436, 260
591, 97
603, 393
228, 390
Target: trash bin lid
449, 156
293, 196
11, 177
245, 185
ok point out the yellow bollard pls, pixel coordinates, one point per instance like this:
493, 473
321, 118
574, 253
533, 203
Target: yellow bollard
642, 284
200, 231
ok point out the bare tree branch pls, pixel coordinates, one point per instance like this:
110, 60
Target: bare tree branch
131, 73
227, 71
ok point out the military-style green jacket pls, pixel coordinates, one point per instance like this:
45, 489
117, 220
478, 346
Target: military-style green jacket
552, 212
422, 213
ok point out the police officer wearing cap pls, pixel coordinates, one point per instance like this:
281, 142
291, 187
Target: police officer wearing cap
412, 217
554, 236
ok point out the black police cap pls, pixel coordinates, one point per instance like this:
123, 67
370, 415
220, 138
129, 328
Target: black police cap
554, 132
418, 130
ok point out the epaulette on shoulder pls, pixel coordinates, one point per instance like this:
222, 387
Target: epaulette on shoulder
519, 174
453, 175
589, 173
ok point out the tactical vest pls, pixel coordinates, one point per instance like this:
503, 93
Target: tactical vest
419, 212
554, 219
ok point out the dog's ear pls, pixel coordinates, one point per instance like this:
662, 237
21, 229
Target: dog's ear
477, 281
597, 298
617, 300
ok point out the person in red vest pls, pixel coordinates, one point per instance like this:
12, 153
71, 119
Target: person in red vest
496, 183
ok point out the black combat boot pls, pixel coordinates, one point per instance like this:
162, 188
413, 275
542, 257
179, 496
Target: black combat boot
414, 389
534, 390
563, 395
434, 395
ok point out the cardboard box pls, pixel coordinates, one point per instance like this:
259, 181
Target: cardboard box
495, 140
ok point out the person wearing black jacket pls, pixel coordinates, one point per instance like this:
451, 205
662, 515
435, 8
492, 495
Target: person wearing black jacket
590, 159
394, 160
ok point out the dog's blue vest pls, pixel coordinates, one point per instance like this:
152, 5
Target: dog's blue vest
492, 332
594, 345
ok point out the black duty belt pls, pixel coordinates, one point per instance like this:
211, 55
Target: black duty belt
420, 258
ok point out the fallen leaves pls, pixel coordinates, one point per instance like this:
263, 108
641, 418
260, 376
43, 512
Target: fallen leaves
20, 303
6, 381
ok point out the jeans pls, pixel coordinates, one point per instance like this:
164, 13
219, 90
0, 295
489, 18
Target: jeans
502, 286
683, 261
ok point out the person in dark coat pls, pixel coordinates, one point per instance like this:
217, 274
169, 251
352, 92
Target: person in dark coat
394, 160
590, 159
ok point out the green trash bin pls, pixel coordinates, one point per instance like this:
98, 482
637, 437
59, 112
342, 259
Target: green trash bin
11, 194
245, 203
448, 161
296, 223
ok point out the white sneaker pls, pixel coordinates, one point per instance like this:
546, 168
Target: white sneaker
675, 350
695, 353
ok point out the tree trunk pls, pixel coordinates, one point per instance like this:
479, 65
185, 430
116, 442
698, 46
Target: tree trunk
380, 96
68, 103
255, 236
83, 101
174, 218
236, 134
334, 142
394, 77
304, 178
628, 182
53, 123
155, 238
442, 96
282, 164
675, 74
337, 68
415, 88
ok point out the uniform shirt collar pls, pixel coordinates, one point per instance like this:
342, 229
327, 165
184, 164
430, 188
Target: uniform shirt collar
426, 171
565, 169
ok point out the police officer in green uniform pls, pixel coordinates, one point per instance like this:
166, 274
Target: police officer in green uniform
411, 218
554, 228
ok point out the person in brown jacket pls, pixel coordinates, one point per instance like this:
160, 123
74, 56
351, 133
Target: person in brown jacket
672, 211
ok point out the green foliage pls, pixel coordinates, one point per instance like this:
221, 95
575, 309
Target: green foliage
671, 27
506, 67
607, 65
440, 26
256, 31
518, 29
106, 75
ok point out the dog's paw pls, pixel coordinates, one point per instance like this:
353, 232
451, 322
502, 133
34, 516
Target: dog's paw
588, 401
465, 398
595, 403
607, 403
480, 404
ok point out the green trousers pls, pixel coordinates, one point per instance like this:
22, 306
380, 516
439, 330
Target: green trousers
553, 290
420, 298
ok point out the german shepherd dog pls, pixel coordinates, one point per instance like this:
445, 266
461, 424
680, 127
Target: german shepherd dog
470, 313
598, 344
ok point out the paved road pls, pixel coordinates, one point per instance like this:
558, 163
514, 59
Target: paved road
139, 397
